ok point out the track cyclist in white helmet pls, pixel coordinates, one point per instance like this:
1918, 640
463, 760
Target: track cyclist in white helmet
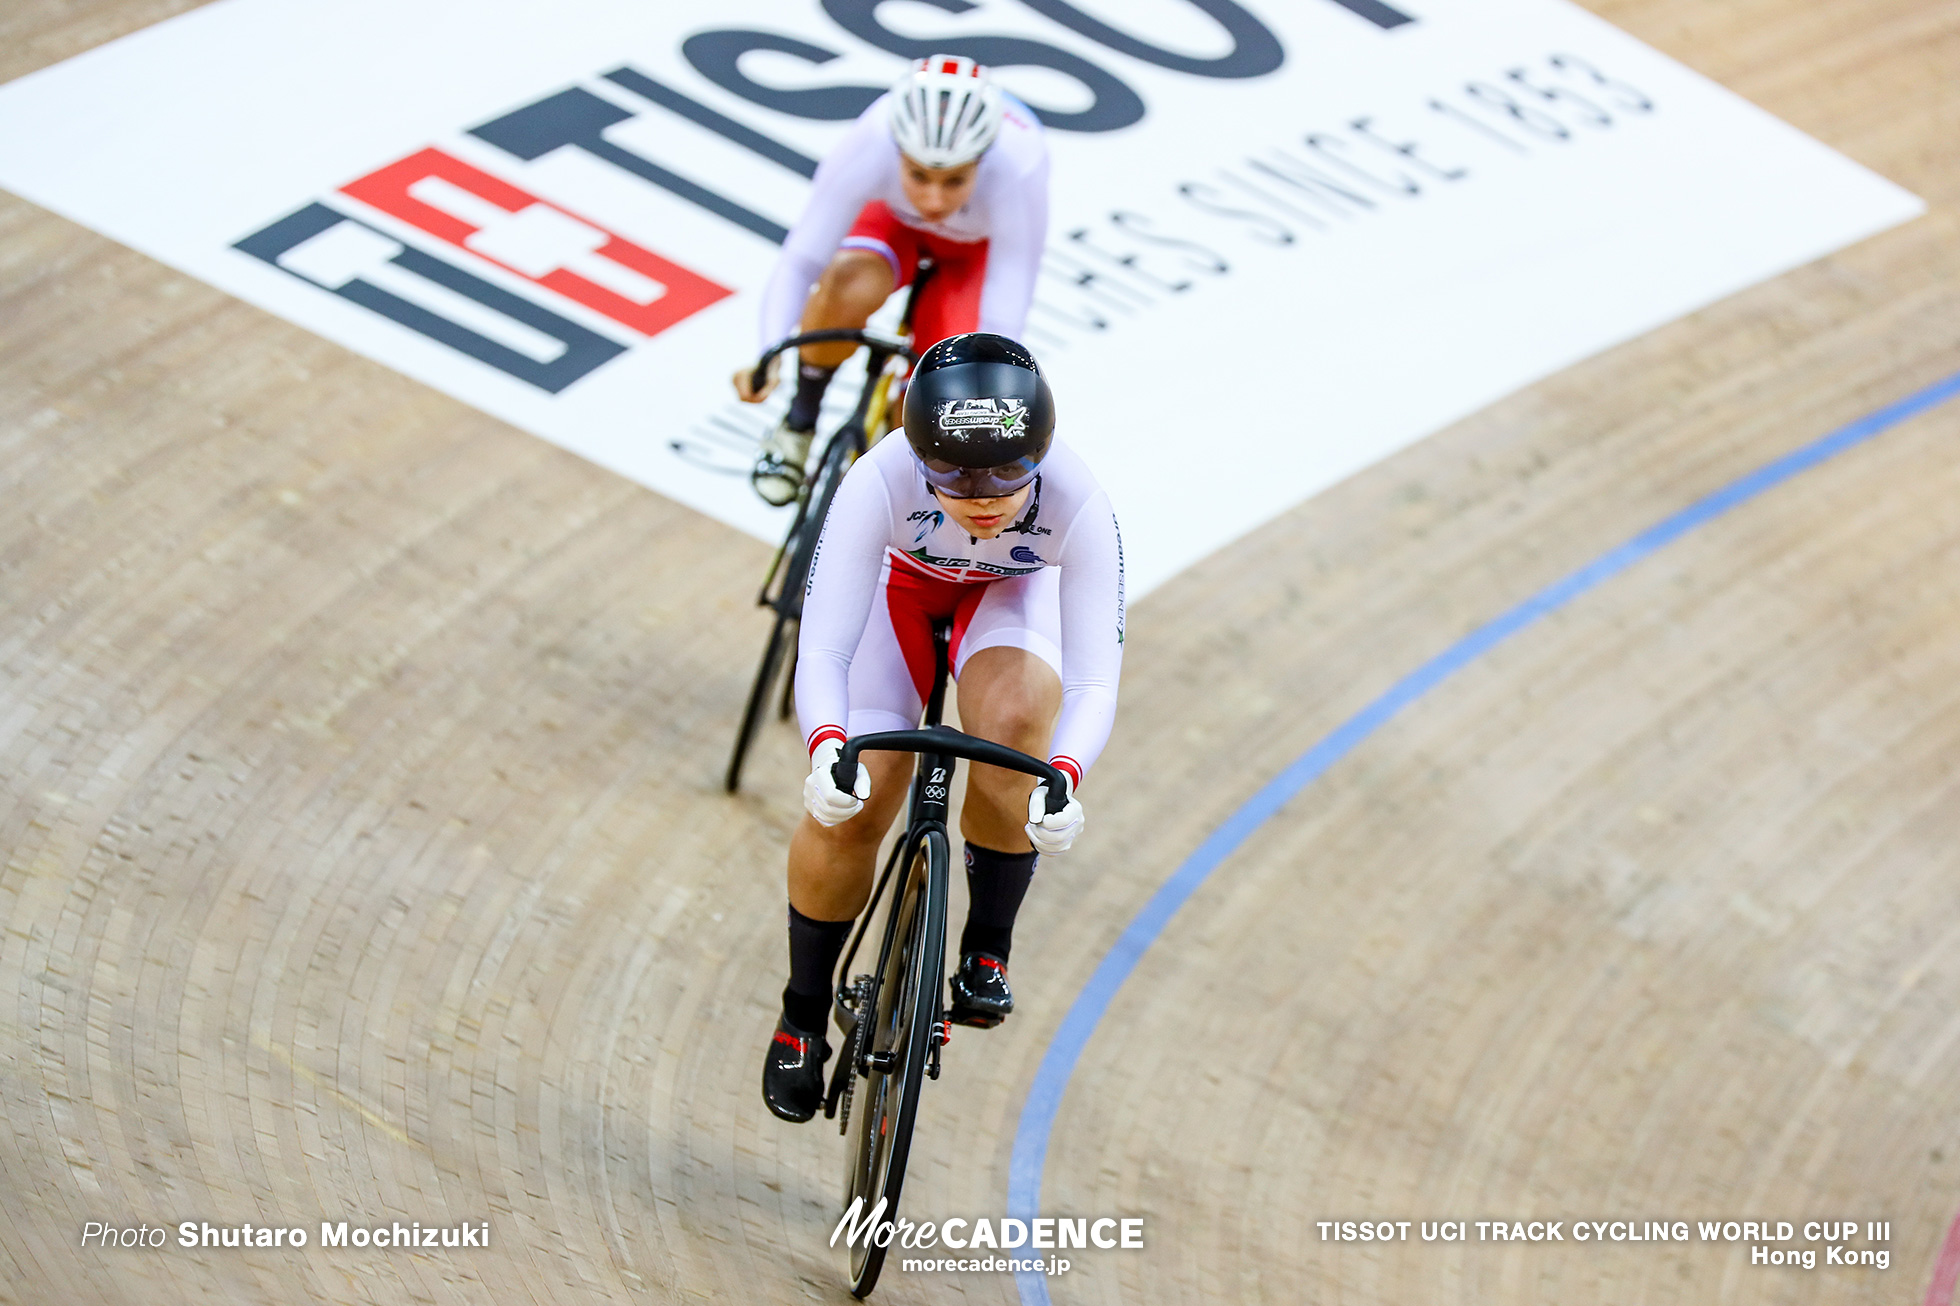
947, 166
981, 518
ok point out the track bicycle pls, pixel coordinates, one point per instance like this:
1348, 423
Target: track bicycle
889, 360
893, 1017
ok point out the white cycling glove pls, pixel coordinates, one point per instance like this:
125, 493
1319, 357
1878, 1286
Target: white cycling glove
1053, 834
821, 796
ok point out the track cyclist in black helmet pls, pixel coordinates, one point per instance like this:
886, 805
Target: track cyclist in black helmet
982, 517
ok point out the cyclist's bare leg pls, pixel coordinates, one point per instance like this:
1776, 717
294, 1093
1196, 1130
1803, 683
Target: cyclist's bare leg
1012, 697
829, 880
850, 291
852, 288
830, 868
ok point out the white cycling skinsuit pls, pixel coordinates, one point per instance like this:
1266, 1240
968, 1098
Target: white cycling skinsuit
995, 238
890, 561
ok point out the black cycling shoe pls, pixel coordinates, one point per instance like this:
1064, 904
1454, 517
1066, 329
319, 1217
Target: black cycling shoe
981, 997
792, 1073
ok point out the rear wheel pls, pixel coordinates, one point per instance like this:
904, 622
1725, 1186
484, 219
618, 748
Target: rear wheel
898, 1034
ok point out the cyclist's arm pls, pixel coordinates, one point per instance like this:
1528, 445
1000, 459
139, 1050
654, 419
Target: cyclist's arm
1092, 636
847, 180
843, 582
1019, 231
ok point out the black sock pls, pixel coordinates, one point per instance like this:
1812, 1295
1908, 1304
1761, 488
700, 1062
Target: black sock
995, 883
811, 382
814, 947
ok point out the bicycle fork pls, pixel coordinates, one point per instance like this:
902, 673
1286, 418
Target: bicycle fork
932, 787
935, 790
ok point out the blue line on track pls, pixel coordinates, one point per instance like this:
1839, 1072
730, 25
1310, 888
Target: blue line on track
1065, 1049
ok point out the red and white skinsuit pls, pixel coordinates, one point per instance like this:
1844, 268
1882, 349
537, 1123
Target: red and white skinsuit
891, 560
988, 252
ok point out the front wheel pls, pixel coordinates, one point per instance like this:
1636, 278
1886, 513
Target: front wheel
781, 632
792, 569
897, 1036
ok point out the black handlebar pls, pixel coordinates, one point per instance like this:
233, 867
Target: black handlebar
945, 739
833, 335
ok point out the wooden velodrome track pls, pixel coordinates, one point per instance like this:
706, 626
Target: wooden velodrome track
364, 856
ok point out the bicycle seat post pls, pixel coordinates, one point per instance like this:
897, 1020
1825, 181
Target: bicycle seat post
934, 784
942, 644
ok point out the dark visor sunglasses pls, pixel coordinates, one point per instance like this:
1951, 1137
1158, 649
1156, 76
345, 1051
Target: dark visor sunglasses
956, 482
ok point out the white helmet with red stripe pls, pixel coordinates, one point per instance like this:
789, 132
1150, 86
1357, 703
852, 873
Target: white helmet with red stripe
945, 112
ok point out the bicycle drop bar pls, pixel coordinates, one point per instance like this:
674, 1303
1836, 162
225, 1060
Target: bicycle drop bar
900, 345
953, 743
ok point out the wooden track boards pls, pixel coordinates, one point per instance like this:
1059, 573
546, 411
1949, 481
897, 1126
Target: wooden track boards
364, 856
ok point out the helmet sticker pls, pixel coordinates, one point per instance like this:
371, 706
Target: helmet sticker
1006, 417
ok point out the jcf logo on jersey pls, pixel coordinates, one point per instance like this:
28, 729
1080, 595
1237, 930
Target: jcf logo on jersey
552, 252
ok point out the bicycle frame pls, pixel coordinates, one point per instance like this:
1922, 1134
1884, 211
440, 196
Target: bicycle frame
939, 748
935, 711
783, 585
893, 1035
868, 412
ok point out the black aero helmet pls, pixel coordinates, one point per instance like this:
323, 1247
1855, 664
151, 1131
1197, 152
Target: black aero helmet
979, 415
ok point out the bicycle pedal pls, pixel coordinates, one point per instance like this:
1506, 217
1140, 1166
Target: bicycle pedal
974, 1019
942, 1033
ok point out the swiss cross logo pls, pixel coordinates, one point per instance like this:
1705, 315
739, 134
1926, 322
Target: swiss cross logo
553, 247
558, 255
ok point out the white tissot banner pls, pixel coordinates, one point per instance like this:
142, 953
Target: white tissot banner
1288, 236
